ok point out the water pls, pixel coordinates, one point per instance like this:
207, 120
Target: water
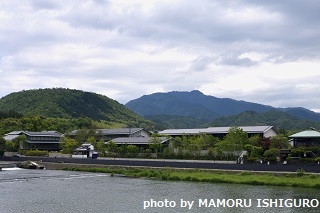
65, 191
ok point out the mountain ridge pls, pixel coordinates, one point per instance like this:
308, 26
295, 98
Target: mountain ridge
199, 110
208, 107
69, 103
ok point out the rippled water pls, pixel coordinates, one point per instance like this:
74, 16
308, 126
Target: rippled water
65, 191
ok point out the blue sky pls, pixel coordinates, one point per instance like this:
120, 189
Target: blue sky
260, 51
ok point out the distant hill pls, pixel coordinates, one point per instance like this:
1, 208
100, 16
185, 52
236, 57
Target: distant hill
197, 105
192, 104
194, 109
68, 103
302, 113
175, 122
275, 118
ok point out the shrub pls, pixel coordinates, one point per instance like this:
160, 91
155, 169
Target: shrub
300, 172
37, 153
306, 160
251, 159
317, 159
271, 154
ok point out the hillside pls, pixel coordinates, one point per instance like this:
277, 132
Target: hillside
175, 122
67, 103
275, 118
197, 105
192, 104
194, 109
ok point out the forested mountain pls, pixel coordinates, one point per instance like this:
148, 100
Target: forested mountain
278, 119
191, 104
162, 111
175, 122
68, 103
194, 109
275, 118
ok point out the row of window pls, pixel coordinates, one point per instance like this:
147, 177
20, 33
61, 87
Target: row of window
41, 138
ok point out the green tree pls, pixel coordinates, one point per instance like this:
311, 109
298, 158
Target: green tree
209, 140
69, 145
235, 139
35, 123
232, 142
279, 141
22, 142
112, 147
271, 154
101, 147
92, 141
2, 145
253, 151
155, 144
132, 150
11, 146
254, 140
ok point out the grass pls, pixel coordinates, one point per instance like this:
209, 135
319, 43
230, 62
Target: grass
297, 179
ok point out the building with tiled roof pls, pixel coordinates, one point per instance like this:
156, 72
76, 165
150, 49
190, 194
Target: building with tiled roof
308, 138
45, 140
263, 131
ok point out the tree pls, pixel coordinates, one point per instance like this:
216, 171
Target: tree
35, 123
279, 141
155, 144
272, 154
11, 146
209, 140
112, 147
2, 145
254, 140
69, 145
92, 140
22, 142
232, 142
253, 151
101, 147
235, 139
132, 150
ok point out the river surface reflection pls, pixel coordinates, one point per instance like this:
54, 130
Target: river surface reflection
67, 191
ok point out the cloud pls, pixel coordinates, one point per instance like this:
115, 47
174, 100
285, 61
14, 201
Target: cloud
261, 51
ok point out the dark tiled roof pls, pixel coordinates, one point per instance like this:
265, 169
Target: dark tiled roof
119, 131
136, 140
44, 133
217, 130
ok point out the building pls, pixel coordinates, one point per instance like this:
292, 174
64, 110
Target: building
308, 138
110, 134
138, 141
45, 140
220, 132
85, 151
12, 136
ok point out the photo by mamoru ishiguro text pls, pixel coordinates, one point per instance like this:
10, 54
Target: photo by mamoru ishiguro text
233, 203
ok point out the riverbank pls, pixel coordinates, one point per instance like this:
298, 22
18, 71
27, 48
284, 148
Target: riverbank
290, 179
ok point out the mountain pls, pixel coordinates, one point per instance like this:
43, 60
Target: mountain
68, 103
275, 118
192, 104
194, 109
302, 113
175, 122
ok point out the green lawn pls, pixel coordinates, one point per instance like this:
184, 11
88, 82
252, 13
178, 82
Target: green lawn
295, 179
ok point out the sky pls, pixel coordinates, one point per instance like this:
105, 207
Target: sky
266, 52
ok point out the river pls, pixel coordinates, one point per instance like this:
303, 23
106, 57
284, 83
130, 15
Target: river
67, 191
